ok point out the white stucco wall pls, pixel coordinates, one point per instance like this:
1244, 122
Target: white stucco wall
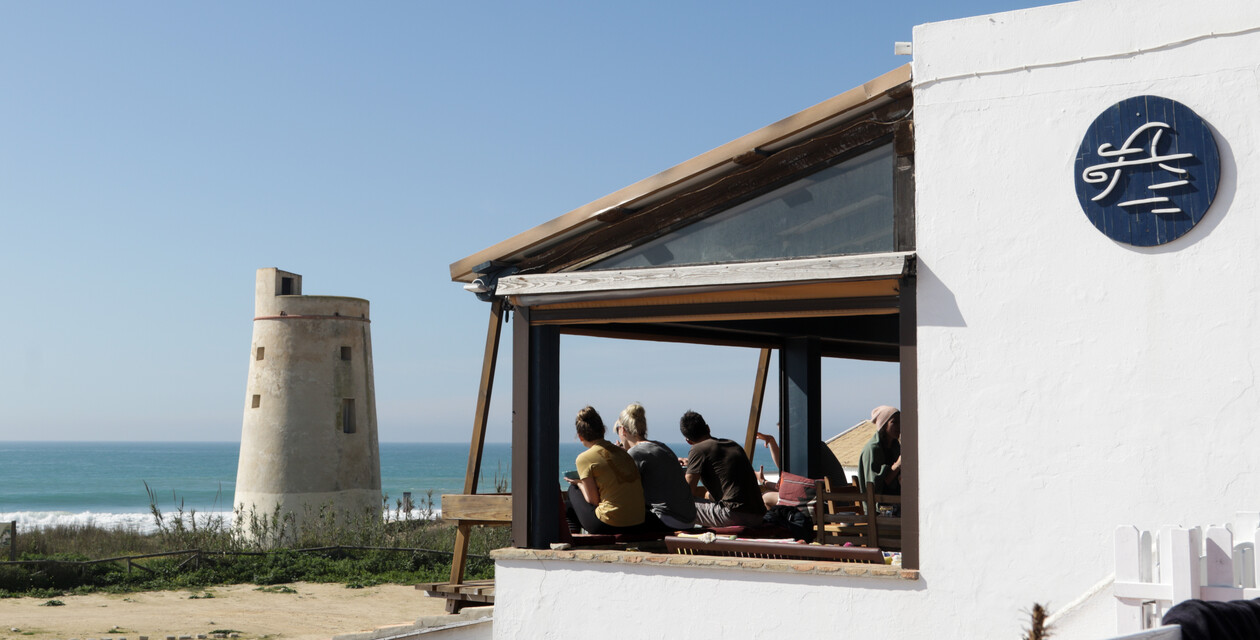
1067, 384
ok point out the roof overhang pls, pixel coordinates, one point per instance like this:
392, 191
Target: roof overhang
584, 286
705, 167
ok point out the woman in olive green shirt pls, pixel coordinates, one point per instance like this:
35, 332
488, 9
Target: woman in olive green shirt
607, 497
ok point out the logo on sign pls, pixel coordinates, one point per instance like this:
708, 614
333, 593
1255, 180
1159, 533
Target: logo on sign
1147, 171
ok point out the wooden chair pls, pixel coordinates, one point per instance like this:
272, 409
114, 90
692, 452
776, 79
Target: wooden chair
886, 527
840, 517
850, 515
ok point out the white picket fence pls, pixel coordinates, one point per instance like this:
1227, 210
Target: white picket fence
1155, 573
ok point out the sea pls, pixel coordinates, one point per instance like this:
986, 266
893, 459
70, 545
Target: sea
109, 483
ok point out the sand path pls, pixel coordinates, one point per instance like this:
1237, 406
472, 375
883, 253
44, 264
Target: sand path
315, 611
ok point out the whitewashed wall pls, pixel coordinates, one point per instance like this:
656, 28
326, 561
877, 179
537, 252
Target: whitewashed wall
1068, 384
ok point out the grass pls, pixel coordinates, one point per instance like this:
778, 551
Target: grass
259, 549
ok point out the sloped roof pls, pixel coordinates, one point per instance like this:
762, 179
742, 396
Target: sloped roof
848, 445
702, 169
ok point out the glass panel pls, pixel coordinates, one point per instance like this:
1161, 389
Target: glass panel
841, 210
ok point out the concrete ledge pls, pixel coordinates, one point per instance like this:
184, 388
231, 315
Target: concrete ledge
795, 567
428, 625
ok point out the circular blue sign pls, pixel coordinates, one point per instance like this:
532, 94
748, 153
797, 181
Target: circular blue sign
1147, 171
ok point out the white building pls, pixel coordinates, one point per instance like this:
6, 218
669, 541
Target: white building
1056, 382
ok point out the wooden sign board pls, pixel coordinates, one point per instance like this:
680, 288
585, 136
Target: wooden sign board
1147, 171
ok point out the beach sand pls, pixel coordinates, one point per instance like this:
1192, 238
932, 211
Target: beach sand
315, 611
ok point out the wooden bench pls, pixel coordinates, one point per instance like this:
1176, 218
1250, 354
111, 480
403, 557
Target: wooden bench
468, 511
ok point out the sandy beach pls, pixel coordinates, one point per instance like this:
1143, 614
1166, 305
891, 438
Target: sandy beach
311, 611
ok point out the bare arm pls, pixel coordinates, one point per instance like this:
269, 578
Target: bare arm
693, 481
773, 446
588, 487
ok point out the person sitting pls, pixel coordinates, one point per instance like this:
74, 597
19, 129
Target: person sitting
831, 468
726, 473
665, 489
880, 463
607, 497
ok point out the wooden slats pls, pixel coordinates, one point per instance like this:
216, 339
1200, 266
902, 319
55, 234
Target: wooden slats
710, 295
654, 279
772, 550
850, 515
473, 591
478, 508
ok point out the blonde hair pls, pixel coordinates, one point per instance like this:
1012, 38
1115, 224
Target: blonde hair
634, 420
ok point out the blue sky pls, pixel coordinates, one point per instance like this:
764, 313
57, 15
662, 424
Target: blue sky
153, 155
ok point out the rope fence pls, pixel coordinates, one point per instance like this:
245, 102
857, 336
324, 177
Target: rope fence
195, 555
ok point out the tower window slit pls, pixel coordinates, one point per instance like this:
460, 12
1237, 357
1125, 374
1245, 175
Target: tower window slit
347, 415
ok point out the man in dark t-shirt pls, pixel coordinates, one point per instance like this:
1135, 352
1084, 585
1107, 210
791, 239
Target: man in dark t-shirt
727, 475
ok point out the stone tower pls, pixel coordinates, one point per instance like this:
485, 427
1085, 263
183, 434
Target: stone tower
308, 439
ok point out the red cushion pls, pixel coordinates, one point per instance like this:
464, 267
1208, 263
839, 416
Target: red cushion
794, 490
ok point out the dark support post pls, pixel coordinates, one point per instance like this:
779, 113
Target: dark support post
535, 433
909, 424
800, 406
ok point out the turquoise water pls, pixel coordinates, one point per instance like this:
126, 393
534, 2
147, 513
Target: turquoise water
104, 482
44, 483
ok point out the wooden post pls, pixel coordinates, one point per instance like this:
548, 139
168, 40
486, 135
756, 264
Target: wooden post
758, 397
488, 362
12, 541
478, 443
459, 562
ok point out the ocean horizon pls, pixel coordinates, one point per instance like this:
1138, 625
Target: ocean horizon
104, 483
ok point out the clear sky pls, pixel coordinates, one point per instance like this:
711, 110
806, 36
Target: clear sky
153, 155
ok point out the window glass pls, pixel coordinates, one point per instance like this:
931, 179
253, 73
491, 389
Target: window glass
844, 209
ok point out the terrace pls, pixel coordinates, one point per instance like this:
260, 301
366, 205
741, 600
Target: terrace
797, 238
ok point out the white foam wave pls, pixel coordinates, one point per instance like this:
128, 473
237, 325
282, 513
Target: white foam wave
142, 522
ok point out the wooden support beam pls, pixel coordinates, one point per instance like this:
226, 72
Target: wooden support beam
726, 311
758, 397
488, 362
459, 560
660, 280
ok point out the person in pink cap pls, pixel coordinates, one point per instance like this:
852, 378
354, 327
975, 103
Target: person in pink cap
881, 457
